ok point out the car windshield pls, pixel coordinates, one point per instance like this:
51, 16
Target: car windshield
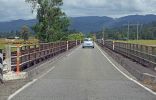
88, 39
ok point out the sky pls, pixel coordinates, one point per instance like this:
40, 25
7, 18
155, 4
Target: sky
18, 9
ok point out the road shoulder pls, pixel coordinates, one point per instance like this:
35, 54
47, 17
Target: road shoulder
124, 71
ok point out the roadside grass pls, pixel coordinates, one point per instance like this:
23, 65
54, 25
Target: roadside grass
13, 42
2, 46
144, 42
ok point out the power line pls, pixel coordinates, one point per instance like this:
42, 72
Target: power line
137, 27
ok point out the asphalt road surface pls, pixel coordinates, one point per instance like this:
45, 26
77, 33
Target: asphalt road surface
85, 74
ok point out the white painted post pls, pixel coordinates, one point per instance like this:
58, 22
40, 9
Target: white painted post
67, 46
113, 45
76, 42
103, 42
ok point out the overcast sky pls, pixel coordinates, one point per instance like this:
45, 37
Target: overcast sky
18, 9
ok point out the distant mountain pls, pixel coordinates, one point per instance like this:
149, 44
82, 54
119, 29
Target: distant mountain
85, 24
15, 25
90, 23
134, 19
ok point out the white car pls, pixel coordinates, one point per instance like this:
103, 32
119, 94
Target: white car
88, 42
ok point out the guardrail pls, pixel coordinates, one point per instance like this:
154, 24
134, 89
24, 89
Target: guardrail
23, 57
143, 54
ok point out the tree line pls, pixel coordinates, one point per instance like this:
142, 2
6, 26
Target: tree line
147, 31
23, 33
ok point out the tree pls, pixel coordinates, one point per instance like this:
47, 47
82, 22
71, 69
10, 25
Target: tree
52, 22
76, 36
25, 33
17, 33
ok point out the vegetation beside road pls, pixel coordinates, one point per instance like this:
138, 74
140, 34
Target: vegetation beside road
33, 40
52, 21
144, 32
144, 42
4, 41
76, 36
53, 25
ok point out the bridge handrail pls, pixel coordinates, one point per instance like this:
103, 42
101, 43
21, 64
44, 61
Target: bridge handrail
25, 56
143, 54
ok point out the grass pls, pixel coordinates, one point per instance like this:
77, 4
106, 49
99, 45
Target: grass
4, 42
2, 46
144, 42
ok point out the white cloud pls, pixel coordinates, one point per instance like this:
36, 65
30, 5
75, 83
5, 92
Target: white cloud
15, 9
18, 9
113, 8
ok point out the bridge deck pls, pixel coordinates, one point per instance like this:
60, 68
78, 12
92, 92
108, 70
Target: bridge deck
85, 74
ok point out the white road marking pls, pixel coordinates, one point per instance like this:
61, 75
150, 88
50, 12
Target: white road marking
69, 54
73, 51
135, 81
149, 74
32, 82
18, 91
46, 73
28, 84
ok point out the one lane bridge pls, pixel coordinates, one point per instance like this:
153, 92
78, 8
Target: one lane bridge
84, 74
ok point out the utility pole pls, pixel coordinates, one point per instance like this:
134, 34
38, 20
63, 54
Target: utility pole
137, 31
137, 26
128, 25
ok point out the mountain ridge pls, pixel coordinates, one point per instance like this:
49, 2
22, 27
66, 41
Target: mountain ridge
84, 24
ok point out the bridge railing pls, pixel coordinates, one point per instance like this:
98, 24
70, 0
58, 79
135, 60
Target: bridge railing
25, 56
143, 54
1, 65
